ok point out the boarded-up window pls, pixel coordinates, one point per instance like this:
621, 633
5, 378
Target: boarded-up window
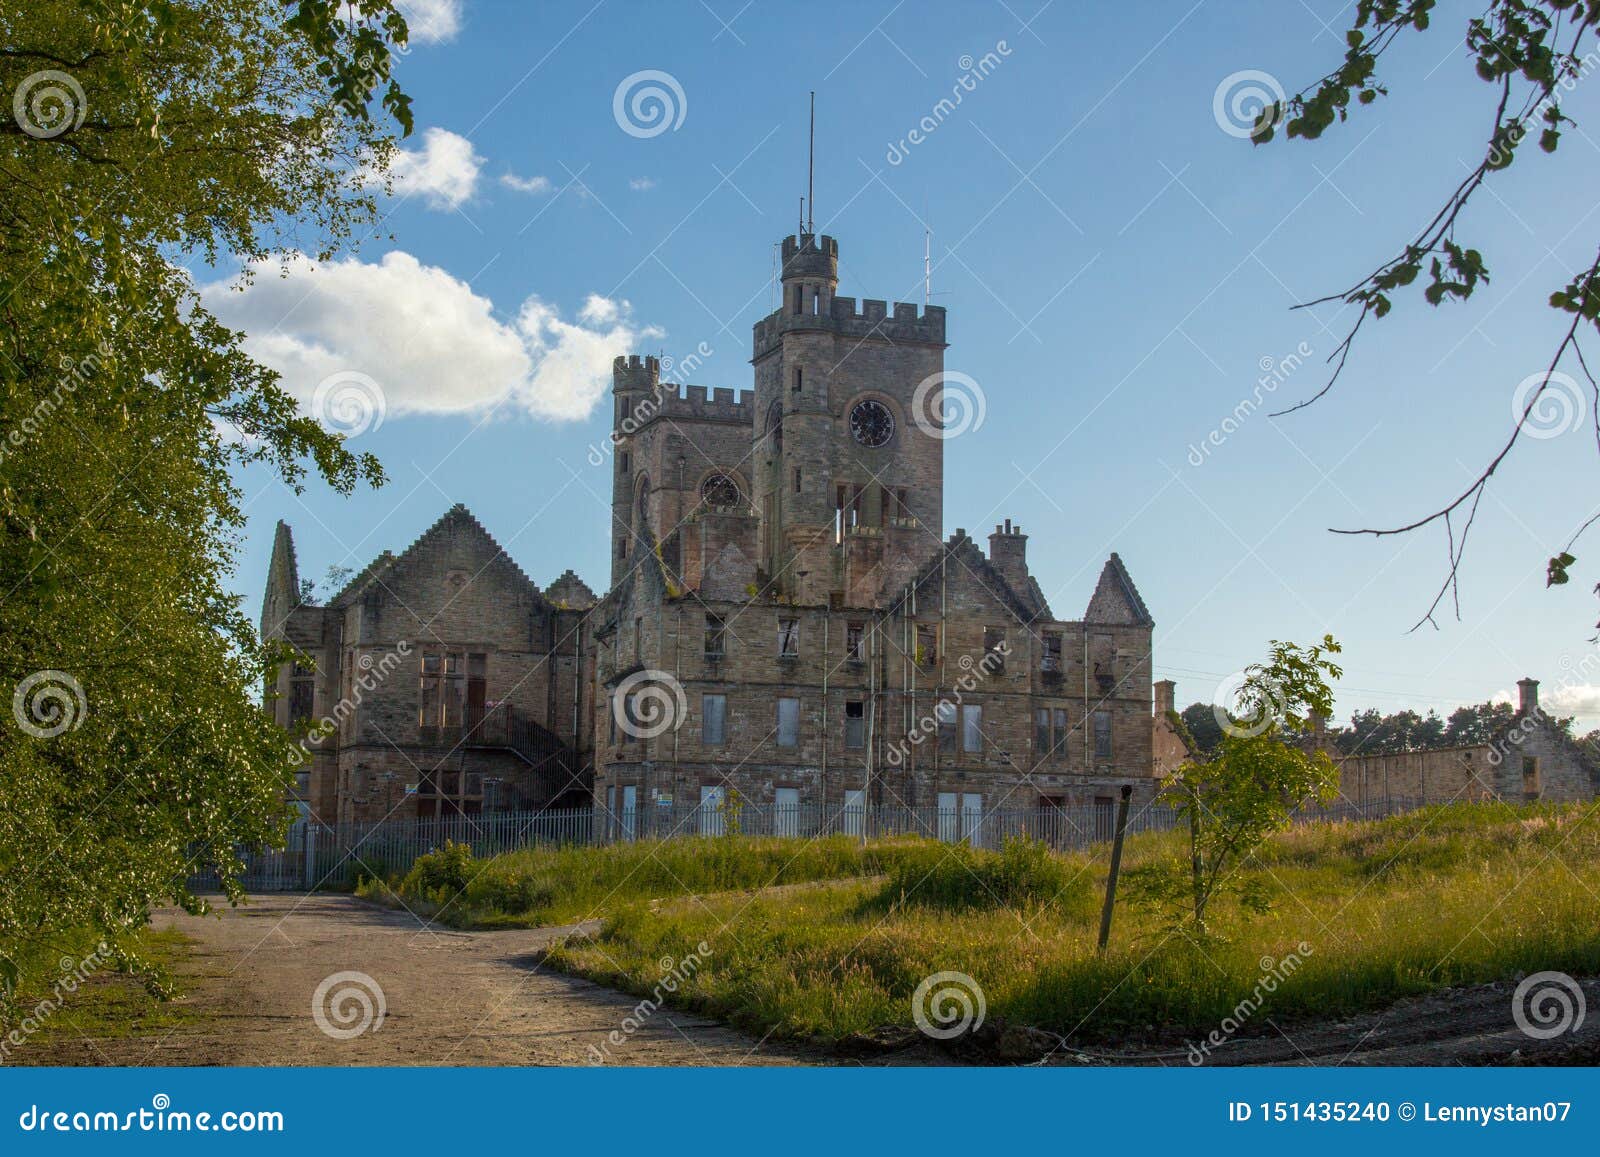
1102, 734
855, 724
713, 720
788, 722
971, 727
945, 714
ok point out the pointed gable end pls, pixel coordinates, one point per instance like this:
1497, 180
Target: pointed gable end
283, 584
1116, 600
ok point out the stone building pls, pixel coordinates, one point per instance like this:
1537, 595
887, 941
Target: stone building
1529, 758
788, 627
442, 681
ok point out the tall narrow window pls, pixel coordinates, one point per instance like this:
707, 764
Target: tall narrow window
945, 715
994, 648
855, 649
1102, 734
451, 699
477, 687
716, 636
789, 638
1059, 714
788, 722
1050, 658
1041, 732
302, 693
713, 720
797, 480
799, 298
799, 379
971, 727
855, 724
927, 645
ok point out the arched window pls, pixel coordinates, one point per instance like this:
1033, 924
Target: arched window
720, 492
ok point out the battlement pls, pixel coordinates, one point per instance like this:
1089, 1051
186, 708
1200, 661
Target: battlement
873, 319
810, 256
693, 403
635, 373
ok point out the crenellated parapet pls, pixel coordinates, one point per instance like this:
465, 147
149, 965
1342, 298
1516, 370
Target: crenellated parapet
872, 319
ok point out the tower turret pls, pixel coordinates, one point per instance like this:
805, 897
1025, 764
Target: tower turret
636, 386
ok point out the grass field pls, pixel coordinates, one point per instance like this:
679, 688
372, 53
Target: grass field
1368, 912
79, 996
549, 885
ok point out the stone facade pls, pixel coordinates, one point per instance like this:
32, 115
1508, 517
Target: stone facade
1529, 759
781, 585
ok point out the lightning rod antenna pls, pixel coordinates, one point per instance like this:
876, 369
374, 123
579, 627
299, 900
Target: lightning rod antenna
811, 170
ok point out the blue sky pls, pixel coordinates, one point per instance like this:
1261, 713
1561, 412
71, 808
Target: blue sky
1117, 267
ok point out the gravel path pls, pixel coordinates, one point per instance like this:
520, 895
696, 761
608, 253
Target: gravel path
449, 998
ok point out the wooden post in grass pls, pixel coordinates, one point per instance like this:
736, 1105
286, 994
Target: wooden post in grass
1116, 866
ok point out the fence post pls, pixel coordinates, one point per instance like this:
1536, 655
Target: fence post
1116, 866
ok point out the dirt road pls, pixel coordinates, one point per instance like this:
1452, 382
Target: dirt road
448, 998
483, 998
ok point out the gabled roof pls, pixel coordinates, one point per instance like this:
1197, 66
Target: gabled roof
963, 552
571, 592
458, 517
1116, 600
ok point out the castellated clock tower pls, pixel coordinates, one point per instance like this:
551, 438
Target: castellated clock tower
848, 479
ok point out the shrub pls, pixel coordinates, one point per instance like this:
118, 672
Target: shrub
1023, 874
445, 871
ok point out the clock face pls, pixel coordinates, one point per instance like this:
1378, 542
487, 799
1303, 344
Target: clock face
720, 491
871, 423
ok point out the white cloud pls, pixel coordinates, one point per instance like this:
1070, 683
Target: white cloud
444, 171
640, 184
1581, 699
535, 185
431, 343
431, 21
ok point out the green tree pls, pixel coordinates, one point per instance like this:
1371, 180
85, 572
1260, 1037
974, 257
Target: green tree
1201, 720
1530, 53
1256, 777
148, 134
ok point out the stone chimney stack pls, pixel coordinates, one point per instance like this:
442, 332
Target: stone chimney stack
1166, 695
1008, 554
1528, 692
